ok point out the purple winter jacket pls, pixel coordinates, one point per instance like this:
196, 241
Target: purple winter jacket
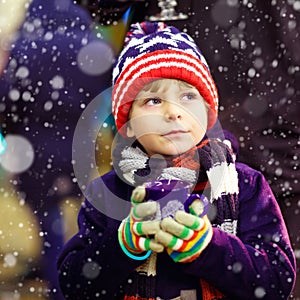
258, 263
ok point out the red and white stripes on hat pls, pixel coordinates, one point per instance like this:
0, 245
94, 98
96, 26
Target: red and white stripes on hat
155, 51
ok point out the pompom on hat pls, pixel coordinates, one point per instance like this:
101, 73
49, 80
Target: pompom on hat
154, 51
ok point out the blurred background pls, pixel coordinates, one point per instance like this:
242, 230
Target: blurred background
56, 58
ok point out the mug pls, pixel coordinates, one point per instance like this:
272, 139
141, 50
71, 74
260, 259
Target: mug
173, 195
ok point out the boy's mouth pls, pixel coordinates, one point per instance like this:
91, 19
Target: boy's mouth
175, 132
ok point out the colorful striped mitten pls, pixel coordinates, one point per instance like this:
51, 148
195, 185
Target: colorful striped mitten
185, 236
136, 232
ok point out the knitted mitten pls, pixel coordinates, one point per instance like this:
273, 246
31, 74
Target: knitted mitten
185, 236
135, 231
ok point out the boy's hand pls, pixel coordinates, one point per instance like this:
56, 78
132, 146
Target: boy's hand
135, 230
185, 236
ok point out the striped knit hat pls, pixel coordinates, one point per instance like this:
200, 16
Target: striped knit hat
153, 51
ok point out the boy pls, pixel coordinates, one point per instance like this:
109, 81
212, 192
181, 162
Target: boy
164, 102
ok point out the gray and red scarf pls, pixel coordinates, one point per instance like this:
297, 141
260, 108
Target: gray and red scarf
209, 167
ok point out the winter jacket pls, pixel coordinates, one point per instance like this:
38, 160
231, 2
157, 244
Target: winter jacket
257, 263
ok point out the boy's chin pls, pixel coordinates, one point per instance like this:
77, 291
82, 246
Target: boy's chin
177, 151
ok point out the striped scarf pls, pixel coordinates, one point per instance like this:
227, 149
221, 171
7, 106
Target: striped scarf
209, 166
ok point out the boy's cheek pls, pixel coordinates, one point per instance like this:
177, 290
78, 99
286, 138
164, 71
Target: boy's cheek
146, 124
201, 118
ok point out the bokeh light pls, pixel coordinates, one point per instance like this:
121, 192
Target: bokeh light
19, 154
3, 144
88, 58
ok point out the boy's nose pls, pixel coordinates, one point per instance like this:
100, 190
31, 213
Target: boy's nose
173, 116
173, 112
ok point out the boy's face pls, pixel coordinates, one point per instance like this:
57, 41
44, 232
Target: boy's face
169, 119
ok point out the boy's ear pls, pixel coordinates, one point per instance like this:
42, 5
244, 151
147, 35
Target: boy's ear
129, 130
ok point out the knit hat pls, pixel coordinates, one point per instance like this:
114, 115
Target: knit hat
154, 51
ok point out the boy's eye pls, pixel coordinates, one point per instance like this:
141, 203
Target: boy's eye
189, 96
152, 101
